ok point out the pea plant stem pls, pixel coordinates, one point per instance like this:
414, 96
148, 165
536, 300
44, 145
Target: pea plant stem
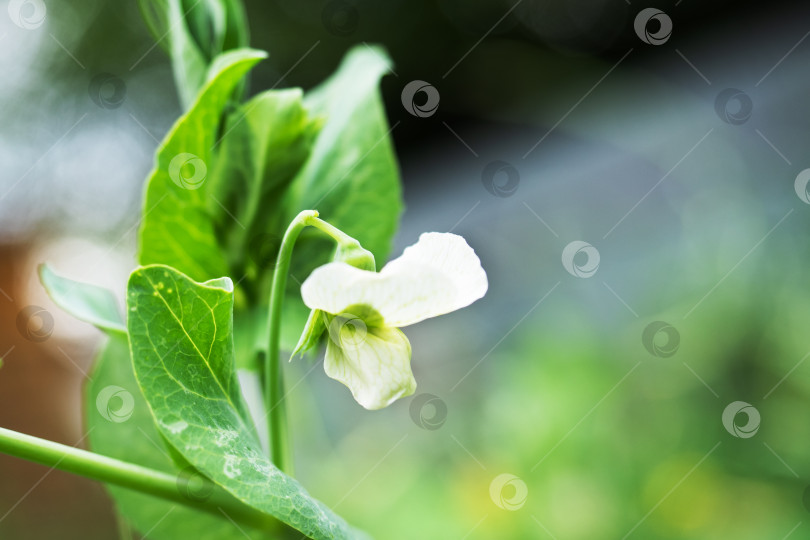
275, 406
190, 490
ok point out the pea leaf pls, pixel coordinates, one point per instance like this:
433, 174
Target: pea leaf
188, 61
84, 301
116, 411
352, 176
236, 27
155, 14
182, 351
266, 142
177, 228
194, 32
125, 430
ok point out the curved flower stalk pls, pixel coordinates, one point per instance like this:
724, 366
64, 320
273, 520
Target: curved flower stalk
362, 310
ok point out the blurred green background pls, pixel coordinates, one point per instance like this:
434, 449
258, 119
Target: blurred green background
692, 207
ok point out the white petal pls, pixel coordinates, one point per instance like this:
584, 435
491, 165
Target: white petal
437, 275
374, 362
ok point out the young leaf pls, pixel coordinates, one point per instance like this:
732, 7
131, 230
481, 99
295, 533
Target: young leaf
206, 25
155, 14
188, 61
84, 301
236, 26
177, 228
194, 32
182, 351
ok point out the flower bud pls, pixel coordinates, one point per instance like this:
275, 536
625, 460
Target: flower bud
354, 254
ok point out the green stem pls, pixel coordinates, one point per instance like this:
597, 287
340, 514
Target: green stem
337, 235
179, 489
273, 381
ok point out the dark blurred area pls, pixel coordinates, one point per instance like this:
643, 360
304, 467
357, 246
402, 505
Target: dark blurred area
689, 198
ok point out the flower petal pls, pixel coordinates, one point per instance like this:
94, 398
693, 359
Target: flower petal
373, 362
439, 274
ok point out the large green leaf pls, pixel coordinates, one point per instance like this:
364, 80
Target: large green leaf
352, 176
137, 440
266, 142
84, 301
177, 228
182, 350
120, 424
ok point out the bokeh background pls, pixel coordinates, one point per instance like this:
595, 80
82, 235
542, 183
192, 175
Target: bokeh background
598, 390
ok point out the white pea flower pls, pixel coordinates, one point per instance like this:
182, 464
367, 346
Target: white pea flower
363, 310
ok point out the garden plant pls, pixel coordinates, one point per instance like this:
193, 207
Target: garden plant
245, 193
